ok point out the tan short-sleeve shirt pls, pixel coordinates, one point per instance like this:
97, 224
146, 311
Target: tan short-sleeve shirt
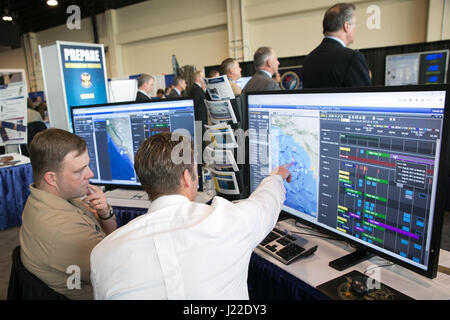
57, 236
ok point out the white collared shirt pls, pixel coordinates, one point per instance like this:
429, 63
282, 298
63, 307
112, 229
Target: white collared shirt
337, 39
186, 250
178, 91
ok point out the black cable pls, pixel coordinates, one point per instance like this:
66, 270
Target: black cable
314, 235
390, 264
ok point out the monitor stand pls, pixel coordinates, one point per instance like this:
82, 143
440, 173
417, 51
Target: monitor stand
349, 260
283, 216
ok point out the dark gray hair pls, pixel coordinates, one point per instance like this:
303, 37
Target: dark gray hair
260, 56
226, 65
143, 79
177, 80
336, 16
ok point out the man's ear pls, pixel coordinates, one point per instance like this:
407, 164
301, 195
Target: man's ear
50, 178
346, 26
186, 179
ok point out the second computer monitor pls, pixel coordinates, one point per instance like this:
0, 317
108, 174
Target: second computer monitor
114, 132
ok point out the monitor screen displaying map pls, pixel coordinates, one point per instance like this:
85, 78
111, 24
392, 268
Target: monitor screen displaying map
364, 164
114, 132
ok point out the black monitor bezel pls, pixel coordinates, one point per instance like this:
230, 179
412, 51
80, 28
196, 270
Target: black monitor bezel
442, 177
110, 186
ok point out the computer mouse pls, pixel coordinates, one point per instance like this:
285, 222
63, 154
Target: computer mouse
359, 285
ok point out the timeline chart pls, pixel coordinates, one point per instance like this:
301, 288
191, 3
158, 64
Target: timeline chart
383, 175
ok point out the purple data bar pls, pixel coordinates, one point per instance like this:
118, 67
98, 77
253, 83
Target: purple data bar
409, 234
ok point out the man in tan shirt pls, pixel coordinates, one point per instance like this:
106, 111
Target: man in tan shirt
65, 216
230, 67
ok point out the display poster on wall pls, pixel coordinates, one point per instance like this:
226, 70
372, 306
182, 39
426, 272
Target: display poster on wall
13, 113
84, 73
290, 77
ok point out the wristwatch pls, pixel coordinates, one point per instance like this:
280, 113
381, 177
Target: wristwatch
111, 213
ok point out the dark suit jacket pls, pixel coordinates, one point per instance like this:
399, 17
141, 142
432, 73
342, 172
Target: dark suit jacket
260, 82
201, 113
140, 97
173, 94
332, 65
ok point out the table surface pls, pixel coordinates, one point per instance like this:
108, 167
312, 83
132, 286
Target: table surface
314, 270
17, 157
139, 199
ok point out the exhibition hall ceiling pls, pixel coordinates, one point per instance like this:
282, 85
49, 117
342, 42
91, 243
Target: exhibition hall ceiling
36, 15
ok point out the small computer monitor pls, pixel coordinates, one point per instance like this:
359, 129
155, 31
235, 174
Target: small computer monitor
114, 133
368, 165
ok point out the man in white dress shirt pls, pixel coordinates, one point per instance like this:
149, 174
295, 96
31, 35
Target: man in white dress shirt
182, 249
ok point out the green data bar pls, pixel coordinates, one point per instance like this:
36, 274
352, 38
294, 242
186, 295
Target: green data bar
353, 191
373, 238
371, 196
379, 154
345, 181
376, 214
377, 180
373, 226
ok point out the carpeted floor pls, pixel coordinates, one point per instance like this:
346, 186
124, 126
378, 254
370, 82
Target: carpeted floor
9, 239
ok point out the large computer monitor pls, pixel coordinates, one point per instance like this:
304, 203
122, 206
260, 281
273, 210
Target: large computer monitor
114, 132
369, 165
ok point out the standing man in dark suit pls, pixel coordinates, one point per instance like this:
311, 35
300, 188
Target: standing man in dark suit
266, 64
145, 88
332, 64
179, 85
198, 93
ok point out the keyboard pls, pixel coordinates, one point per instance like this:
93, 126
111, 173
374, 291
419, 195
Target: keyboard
286, 246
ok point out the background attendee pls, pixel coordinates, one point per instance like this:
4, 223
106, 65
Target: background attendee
160, 94
64, 216
179, 85
213, 74
332, 64
41, 107
182, 249
145, 88
230, 67
32, 115
266, 64
168, 90
198, 93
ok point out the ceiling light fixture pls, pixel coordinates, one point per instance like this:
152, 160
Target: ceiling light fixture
52, 3
7, 16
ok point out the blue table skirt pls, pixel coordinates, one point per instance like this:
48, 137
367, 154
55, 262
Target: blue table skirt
266, 281
14, 191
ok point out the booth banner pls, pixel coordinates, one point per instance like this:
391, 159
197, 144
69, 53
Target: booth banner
291, 77
84, 74
13, 113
